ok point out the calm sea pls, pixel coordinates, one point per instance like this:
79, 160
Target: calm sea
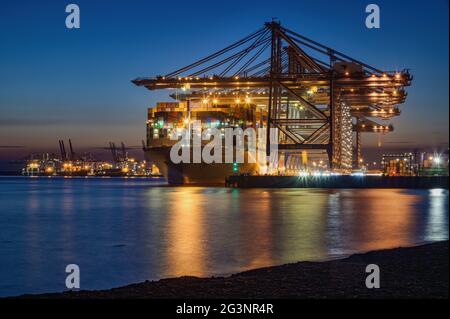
122, 231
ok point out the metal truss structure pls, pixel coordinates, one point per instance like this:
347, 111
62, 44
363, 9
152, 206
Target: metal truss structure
317, 97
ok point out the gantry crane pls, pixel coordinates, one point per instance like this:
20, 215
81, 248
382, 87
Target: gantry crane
317, 97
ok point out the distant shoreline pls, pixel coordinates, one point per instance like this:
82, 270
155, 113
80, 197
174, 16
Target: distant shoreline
82, 176
413, 272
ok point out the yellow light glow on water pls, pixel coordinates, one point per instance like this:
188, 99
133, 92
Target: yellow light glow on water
186, 254
202, 232
402, 222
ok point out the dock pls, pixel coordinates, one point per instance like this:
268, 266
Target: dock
340, 181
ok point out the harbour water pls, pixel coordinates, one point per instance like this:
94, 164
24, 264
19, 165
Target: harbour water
121, 231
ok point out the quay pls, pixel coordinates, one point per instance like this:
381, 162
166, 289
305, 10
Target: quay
339, 181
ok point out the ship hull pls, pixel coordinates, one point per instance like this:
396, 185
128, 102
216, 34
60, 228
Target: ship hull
193, 173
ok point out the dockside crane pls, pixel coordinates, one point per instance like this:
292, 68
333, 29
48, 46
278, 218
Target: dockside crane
62, 150
124, 153
72, 153
113, 149
312, 93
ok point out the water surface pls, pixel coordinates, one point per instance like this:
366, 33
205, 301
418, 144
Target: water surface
121, 231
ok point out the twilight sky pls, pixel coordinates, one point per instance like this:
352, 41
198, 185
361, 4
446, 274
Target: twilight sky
60, 83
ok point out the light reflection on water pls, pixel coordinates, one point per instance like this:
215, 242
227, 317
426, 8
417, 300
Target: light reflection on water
121, 231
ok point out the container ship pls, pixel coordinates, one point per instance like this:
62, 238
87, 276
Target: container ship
167, 119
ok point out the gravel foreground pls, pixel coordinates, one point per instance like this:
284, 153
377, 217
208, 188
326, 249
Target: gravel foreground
415, 272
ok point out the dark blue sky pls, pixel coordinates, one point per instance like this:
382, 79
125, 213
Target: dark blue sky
59, 83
